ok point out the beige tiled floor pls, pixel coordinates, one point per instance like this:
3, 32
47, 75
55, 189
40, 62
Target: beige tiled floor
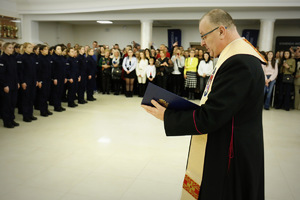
112, 149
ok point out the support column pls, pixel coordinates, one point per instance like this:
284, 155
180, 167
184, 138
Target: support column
30, 30
146, 33
266, 34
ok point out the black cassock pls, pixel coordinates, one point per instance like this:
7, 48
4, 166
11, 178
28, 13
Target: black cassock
234, 104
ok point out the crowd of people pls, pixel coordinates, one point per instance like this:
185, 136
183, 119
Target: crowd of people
36, 76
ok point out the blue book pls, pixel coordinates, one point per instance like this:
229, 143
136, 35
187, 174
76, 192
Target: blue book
166, 99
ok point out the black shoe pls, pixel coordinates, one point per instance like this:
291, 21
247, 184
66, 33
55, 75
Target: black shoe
63, 109
58, 109
33, 118
27, 119
108, 93
49, 113
267, 108
15, 123
91, 99
9, 125
81, 102
72, 105
44, 114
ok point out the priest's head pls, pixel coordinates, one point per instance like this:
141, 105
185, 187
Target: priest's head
217, 30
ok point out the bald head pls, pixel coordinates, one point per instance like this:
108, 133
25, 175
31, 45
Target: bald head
218, 17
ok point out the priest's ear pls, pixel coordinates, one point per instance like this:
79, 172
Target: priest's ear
222, 31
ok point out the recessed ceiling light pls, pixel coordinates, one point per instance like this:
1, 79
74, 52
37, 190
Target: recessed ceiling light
104, 22
16, 21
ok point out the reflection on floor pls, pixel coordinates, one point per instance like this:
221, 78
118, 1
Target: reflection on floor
111, 149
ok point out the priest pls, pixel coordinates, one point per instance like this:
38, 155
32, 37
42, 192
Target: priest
226, 156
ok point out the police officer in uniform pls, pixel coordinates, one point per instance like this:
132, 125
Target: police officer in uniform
9, 84
44, 80
28, 82
58, 77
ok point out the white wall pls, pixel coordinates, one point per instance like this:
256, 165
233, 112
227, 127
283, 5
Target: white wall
53, 33
106, 34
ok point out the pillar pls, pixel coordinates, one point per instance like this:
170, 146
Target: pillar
266, 34
146, 33
30, 30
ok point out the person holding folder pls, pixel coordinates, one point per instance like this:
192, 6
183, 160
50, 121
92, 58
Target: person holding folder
226, 157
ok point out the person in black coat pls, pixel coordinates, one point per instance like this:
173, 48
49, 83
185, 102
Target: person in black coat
28, 82
230, 164
9, 84
44, 80
59, 78
83, 75
72, 68
92, 71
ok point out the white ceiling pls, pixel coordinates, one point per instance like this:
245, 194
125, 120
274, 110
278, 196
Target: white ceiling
82, 6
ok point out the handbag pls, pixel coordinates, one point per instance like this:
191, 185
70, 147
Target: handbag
106, 72
288, 78
117, 72
169, 70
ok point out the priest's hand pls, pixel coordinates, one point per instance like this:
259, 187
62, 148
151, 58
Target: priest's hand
158, 111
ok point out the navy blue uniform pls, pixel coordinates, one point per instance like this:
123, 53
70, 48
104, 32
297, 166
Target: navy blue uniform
83, 74
8, 77
28, 76
58, 73
91, 83
72, 73
44, 76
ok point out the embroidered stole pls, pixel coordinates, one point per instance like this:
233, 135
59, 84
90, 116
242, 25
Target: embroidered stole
193, 176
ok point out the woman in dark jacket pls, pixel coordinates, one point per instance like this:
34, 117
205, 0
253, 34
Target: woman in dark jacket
83, 75
44, 80
9, 84
105, 66
92, 71
28, 82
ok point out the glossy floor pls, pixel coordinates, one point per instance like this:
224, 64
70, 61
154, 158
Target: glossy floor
111, 149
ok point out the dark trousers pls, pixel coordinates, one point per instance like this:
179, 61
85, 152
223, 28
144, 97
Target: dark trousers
8, 104
99, 81
57, 93
161, 81
177, 82
284, 97
72, 88
28, 97
117, 85
44, 94
81, 89
106, 83
90, 87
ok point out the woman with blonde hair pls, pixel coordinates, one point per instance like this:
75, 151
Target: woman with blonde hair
116, 71
141, 73
28, 82
129, 66
9, 84
177, 75
105, 66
